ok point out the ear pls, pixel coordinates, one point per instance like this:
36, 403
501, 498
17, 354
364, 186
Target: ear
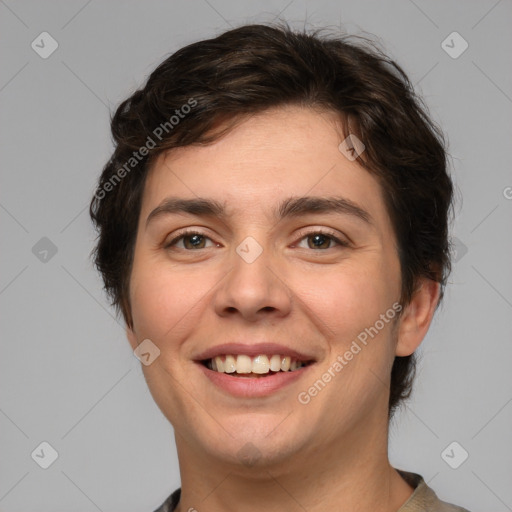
417, 316
132, 338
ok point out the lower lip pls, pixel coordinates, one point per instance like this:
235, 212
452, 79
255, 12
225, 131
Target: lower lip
253, 387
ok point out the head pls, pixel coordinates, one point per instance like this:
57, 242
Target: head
248, 120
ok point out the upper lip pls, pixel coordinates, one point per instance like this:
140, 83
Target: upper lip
252, 351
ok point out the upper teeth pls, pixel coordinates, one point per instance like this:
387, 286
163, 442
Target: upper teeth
259, 364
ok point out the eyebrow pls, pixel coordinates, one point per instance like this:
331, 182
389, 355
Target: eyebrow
290, 207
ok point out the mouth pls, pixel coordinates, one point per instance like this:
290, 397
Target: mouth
255, 370
260, 366
246, 377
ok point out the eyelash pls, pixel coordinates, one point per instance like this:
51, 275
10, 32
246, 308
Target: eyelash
322, 232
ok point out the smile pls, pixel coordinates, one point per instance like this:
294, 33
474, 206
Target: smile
258, 366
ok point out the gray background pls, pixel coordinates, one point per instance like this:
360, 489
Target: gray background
67, 374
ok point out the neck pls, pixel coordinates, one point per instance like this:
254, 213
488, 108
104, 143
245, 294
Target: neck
347, 474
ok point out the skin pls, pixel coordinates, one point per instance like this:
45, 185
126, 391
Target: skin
329, 454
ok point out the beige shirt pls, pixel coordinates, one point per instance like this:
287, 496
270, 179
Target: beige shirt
423, 499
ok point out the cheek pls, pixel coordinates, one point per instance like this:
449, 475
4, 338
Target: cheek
346, 301
164, 302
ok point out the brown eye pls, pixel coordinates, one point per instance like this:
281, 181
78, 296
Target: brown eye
192, 240
323, 240
319, 241
196, 241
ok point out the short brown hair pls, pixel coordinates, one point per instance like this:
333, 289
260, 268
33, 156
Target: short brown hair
256, 67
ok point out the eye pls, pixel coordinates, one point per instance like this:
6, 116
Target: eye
320, 238
196, 239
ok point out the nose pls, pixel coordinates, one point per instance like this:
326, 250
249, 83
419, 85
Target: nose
254, 286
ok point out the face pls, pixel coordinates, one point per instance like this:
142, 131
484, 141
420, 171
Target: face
313, 282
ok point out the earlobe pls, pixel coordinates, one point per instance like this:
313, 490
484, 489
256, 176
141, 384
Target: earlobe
417, 316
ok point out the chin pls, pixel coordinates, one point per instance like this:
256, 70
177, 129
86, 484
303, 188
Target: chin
256, 446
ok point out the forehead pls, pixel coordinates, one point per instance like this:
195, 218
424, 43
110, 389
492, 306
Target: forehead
277, 154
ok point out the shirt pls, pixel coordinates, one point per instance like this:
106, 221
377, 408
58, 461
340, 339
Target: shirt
423, 499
